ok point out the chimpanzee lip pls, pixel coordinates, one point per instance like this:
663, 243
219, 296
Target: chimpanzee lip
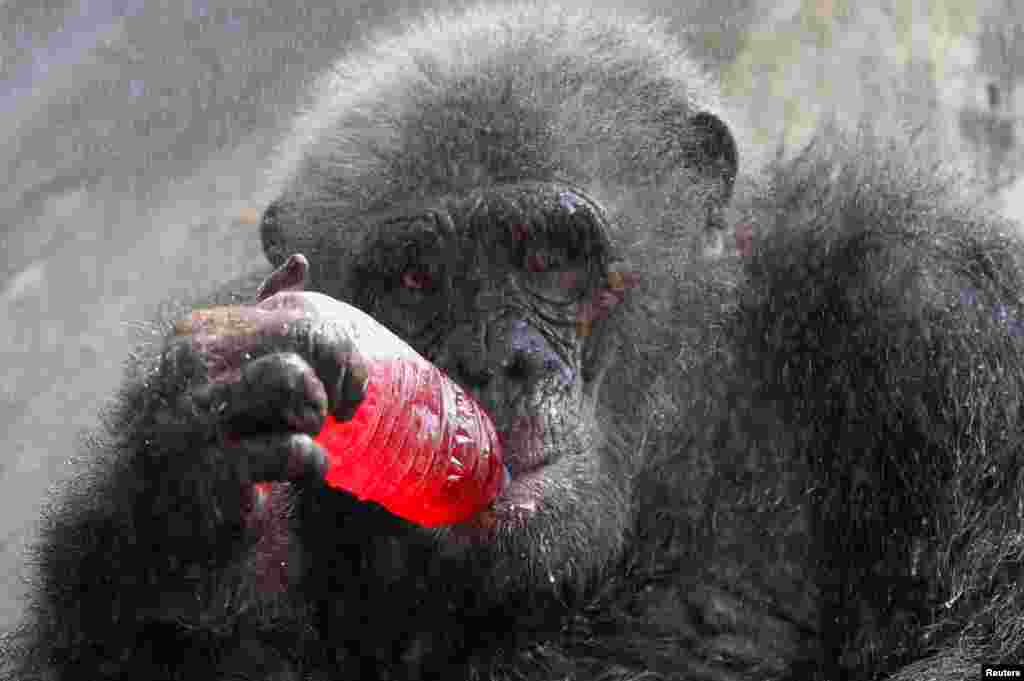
520, 466
521, 452
527, 480
524, 494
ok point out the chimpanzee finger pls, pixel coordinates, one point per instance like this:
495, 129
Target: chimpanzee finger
280, 391
350, 391
339, 365
279, 457
290, 276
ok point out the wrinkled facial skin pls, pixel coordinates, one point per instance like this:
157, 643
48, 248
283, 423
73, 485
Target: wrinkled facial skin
504, 290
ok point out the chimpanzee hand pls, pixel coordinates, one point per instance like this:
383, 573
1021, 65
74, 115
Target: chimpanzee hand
257, 380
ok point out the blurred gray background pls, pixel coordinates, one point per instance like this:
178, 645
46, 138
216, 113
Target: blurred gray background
135, 137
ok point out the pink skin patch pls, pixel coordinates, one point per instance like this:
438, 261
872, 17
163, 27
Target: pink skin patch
568, 279
604, 299
536, 263
417, 279
744, 239
523, 445
224, 335
520, 232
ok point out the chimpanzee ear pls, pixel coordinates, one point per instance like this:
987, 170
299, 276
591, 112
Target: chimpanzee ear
274, 246
713, 151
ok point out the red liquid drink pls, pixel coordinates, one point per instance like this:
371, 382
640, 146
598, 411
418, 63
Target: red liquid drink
418, 444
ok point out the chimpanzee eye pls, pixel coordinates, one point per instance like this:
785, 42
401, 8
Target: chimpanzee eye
415, 284
553, 275
407, 294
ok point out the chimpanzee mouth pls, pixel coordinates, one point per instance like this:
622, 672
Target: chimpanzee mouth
523, 447
534, 472
523, 493
517, 467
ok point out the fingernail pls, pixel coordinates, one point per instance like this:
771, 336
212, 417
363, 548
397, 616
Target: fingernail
296, 465
360, 377
315, 392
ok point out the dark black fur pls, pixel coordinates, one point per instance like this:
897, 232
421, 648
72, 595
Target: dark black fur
804, 463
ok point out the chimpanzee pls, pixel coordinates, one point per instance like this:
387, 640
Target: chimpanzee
795, 458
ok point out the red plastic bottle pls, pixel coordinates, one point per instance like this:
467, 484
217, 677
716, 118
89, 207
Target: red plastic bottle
418, 444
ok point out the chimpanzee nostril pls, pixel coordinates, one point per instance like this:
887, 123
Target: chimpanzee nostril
475, 373
515, 366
